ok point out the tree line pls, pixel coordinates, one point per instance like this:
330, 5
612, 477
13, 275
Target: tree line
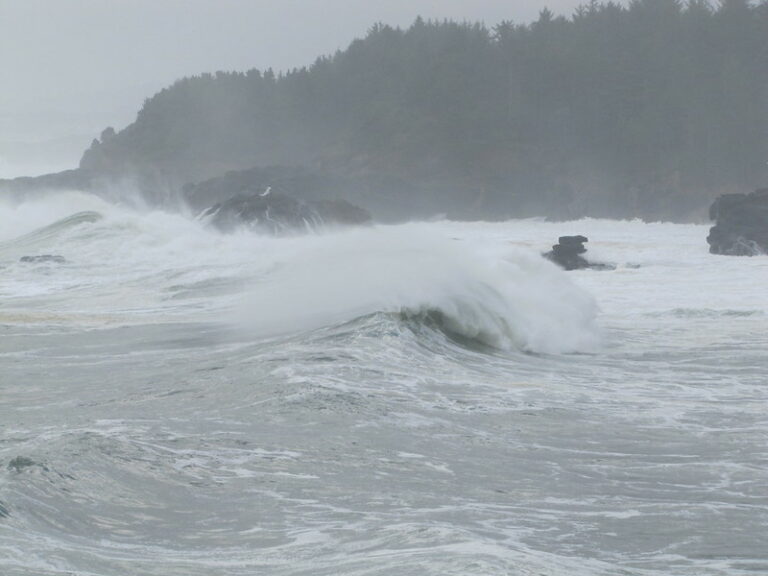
647, 109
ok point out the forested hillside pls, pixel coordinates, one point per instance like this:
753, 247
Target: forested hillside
649, 109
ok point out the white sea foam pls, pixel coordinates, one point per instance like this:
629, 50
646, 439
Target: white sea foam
19, 218
131, 258
173, 444
519, 301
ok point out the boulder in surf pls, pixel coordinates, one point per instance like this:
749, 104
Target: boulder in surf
567, 253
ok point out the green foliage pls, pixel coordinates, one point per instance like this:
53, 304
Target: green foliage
648, 109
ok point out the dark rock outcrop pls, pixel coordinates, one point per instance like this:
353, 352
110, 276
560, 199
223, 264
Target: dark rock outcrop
277, 213
741, 224
567, 253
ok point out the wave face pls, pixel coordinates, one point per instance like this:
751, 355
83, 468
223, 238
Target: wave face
517, 301
429, 398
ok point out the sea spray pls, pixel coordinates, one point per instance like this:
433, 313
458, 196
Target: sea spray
142, 262
517, 302
39, 211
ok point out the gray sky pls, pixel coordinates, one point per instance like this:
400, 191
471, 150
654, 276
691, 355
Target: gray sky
72, 67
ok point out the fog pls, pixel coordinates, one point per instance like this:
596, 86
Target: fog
72, 68
326, 288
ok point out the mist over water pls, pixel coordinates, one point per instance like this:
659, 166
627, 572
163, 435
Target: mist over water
429, 398
52, 149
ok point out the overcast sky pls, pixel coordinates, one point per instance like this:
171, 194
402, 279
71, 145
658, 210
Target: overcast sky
76, 66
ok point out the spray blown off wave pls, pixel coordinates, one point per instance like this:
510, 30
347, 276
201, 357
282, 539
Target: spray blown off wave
516, 302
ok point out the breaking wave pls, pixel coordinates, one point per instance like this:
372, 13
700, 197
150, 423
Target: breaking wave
516, 301
145, 263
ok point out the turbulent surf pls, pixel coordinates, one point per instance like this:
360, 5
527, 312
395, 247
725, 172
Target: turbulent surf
426, 398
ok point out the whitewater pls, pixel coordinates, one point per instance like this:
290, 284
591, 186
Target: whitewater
420, 399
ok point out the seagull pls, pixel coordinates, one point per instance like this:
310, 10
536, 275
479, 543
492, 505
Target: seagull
267, 191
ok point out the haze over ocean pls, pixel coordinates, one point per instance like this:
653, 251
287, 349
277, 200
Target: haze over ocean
305, 322
72, 69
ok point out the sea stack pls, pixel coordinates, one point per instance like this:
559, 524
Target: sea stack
567, 252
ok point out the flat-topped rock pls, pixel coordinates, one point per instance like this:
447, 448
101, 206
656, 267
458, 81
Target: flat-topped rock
571, 240
567, 253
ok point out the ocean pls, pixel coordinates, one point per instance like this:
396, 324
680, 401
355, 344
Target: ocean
429, 398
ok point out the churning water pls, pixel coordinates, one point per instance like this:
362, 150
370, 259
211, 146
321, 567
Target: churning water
430, 398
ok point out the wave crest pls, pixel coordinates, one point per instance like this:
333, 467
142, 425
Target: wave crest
518, 301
